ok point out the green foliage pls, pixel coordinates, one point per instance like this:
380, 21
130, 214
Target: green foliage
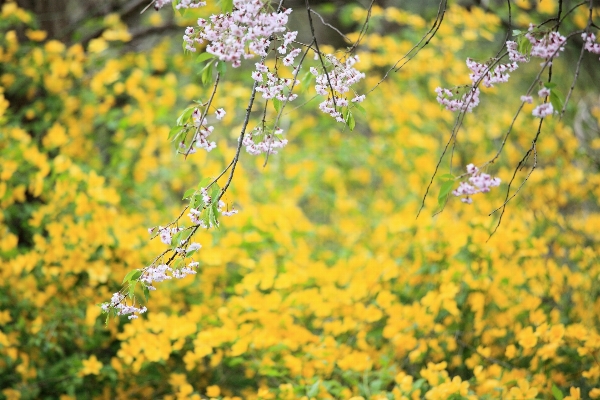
324, 285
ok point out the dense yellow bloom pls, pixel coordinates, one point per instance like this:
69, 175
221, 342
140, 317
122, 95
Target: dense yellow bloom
527, 338
91, 366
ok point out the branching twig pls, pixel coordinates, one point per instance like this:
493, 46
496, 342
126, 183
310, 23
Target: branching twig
327, 24
314, 38
204, 114
419, 46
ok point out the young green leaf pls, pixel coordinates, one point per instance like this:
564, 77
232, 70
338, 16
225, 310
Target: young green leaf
178, 237
549, 85
313, 390
174, 133
445, 177
204, 57
132, 275
305, 81
188, 193
556, 100
277, 104
212, 215
350, 121
146, 293
360, 108
207, 73
444, 191
214, 193
226, 5
131, 291
190, 253
185, 115
556, 392
221, 67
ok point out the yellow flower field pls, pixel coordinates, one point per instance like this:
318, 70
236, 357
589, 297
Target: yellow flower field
325, 284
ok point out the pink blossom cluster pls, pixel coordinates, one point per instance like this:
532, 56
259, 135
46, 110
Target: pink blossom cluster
467, 102
195, 214
548, 46
242, 33
155, 274
478, 182
226, 213
158, 4
161, 272
271, 86
203, 130
513, 52
482, 72
590, 44
118, 302
166, 234
544, 109
335, 82
268, 144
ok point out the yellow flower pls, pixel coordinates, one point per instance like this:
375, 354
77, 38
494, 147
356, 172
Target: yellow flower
527, 338
213, 391
523, 391
91, 366
511, 351
575, 394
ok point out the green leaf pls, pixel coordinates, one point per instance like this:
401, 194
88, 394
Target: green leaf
204, 57
556, 100
360, 108
226, 6
207, 73
195, 201
146, 293
177, 238
350, 121
313, 390
277, 104
188, 193
305, 81
524, 45
444, 191
174, 133
418, 384
446, 177
132, 276
212, 215
131, 291
185, 115
221, 67
204, 182
516, 32
214, 192
549, 85
556, 392
190, 253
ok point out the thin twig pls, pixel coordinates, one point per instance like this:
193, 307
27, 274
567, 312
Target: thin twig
363, 29
314, 37
427, 38
327, 24
576, 75
204, 114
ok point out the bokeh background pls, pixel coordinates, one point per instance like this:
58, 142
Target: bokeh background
325, 285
